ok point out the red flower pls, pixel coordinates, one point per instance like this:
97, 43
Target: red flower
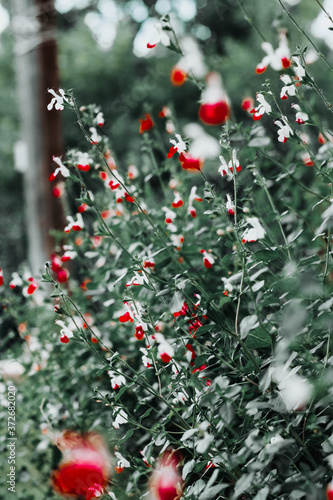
84, 470
139, 332
178, 76
32, 287
126, 317
183, 312
214, 114
190, 163
166, 482
329, 491
62, 275
146, 123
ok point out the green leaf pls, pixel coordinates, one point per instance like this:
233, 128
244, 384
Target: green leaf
146, 414
258, 338
188, 467
128, 434
200, 360
224, 300
204, 329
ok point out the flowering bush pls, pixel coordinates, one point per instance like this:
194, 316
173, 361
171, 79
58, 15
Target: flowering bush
189, 313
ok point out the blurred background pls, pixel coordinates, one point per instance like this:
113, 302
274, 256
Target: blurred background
98, 48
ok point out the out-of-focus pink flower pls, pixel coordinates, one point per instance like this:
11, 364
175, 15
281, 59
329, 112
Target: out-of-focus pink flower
166, 482
85, 467
215, 108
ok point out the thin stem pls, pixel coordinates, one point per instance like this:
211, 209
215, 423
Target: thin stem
323, 8
250, 20
306, 35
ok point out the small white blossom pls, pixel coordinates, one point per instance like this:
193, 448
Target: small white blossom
121, 418
289, 87
58, 100
285, 131
301, 117
257, 232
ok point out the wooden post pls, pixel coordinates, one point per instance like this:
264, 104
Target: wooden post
37, 70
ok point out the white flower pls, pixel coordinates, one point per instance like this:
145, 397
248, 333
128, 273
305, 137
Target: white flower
228, 169
179, 144
263, 107
116, 380
16, 280
61, 168
161, 37
295, 392
284, 131
76, 225
202, 145
257, 232
289, 87
230, 206
122, 461
192, 59
99, 119
58, 100
301, 117
11, 370
277, 59
299, 70
121, 418
95, 137
65, 331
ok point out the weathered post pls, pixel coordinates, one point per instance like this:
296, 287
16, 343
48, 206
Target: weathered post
37, 70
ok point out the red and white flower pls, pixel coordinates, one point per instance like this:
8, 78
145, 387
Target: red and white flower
166, 482
299, 70
229, 169
84, 161
132, 172
165, 350
57, 100
76, 225
122, 462
263, 107
170, 215
61, 168
15, 281
257, 232
121, 417
285, 131
193, 197
278, 59
85, 468
161, 37
179, 146
289, 87
31, 288
66, 333
230, 206
99, 119
148, 363
215, 106
208, 259
116, 380
301, 117
192, 60
1, 278
94, 136
177, 202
